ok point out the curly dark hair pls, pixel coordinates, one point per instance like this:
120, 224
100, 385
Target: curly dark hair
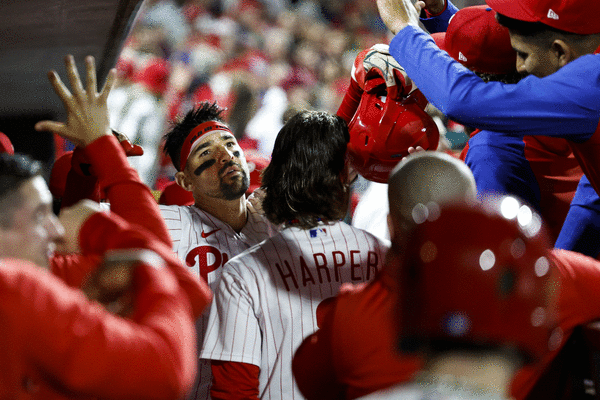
174, 139
14, 171
303, 182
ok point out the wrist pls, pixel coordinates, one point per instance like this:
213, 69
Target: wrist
436, 11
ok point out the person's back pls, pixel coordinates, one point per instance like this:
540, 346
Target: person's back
361, 316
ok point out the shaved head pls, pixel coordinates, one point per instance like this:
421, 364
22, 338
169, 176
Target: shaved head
427, 179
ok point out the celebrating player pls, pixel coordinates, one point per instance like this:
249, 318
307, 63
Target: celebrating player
360, 319
271, 296
554, 40
59, 344
222, 222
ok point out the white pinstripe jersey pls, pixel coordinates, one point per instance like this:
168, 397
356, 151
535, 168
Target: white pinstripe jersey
267, 300
205, 244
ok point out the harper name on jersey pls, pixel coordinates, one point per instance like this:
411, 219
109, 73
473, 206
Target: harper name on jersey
268, 297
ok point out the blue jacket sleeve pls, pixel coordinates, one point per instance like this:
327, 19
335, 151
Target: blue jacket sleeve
439, 23
565, 104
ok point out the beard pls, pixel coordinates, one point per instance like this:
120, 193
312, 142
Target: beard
238, 185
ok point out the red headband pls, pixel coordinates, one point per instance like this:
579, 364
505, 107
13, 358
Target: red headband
195, 135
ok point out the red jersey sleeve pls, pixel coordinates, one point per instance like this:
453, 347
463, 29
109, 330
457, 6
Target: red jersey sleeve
234, 380
78, 347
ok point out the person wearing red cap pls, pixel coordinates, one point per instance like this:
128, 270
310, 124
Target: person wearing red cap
540, 170
554, 41
222, 222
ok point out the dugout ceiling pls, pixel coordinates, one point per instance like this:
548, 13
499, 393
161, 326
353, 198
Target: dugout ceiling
35, 35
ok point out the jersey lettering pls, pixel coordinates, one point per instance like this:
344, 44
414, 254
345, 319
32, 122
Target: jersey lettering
208, 259
289, 274
321, 268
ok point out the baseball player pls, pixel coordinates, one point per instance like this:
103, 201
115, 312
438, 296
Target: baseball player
360, 319
554, 40
541, 170
222, 222
270, 297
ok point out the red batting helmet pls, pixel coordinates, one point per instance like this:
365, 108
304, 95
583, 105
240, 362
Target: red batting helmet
478, 277
385, 125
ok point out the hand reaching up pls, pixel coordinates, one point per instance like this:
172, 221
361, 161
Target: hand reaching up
87, 111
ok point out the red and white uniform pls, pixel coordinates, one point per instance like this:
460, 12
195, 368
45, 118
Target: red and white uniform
205, 244
268, 298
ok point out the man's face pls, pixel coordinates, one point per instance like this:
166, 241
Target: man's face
217, 168
35, 228
534, 57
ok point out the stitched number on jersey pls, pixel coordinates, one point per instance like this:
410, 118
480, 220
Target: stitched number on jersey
208, 259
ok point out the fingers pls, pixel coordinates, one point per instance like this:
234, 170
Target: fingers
73, 75
60, 89
419, 5
90, 68
50, 126
110, 80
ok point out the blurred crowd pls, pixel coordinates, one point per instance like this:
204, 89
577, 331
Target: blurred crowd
261, 60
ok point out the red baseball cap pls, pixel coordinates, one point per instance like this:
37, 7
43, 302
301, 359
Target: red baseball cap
6, 145
475, 39
575, 16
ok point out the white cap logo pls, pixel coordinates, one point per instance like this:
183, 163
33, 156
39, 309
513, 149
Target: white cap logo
552, 14
461, 57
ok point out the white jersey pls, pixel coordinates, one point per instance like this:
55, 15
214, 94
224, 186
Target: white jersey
268, 298
205, 244
431, 391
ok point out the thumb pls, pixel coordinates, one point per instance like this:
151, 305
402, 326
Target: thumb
50, 126
419, 5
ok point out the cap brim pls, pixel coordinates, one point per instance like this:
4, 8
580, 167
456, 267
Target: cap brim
512, 9
440, 39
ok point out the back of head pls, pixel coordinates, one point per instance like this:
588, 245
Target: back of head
478, 279
305, 180
422, 179
14, 171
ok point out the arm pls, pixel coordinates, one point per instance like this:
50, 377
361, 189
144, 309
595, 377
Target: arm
234, 380
581, 230
528, 108
234, 337
436, 14
87, 351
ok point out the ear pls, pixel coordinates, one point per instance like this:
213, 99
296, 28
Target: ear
183, 181
564, 52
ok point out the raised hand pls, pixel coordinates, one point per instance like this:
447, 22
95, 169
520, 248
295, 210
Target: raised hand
397, 14
378, 58
433, 6
87, 111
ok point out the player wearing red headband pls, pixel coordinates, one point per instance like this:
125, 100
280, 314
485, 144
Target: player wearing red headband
222, 222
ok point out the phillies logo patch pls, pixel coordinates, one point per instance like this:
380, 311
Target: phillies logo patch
207, 258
